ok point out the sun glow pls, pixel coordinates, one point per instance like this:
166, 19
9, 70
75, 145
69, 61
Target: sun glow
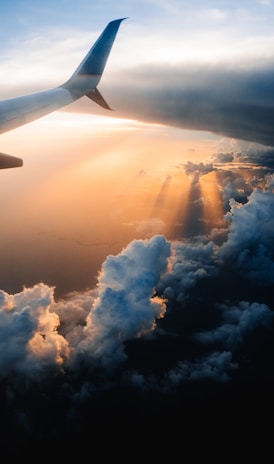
89, 185
212, 201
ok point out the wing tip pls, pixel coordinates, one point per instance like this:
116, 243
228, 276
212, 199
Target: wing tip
9, 161
119, 20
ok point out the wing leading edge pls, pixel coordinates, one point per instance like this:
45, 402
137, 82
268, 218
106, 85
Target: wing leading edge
18, 111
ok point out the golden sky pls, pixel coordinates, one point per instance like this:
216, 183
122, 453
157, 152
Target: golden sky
89, 185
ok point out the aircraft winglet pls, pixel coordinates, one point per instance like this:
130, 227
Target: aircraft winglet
95, 61
87, 75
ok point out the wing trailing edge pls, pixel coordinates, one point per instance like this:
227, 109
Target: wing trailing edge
97, 98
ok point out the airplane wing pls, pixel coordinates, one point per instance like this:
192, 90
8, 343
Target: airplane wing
18, 111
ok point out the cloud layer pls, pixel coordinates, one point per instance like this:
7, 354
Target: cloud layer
227, 100
168, 318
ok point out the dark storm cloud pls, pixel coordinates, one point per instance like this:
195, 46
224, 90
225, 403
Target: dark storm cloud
237, 102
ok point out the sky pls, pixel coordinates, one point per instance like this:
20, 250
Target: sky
137, 256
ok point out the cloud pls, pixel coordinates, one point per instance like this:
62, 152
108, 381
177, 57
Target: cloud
29, 340
239, 321
188, 264
250, 236
93, 325
226, 100
169, 324
214, 367
126, 307
199, 168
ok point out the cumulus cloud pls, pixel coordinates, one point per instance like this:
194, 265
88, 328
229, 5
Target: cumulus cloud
188, 264
126, 306
238, 322
250, 236
92, 326
29, 340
